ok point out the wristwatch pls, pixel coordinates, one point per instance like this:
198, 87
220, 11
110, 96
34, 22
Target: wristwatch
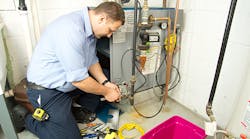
104, 82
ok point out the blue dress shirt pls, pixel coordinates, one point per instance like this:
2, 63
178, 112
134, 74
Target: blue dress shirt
66, 50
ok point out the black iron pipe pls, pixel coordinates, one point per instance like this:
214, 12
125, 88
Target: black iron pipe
22, 6
221, 57
134, 37
134, 53
223, 48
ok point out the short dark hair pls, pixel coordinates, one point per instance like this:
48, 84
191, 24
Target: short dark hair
112, 9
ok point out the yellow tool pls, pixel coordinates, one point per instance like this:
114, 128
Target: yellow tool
111, 135
112, 123
129, 126
172, 42
40, 114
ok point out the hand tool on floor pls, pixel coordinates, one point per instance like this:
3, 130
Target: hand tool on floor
112, 123
129, 127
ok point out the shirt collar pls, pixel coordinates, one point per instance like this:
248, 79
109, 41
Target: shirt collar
87, 25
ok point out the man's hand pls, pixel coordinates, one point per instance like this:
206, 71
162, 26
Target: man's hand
114, 94
112, 86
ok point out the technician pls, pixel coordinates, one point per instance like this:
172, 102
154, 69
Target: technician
64, 62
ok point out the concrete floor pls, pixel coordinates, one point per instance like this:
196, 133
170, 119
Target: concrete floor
147, 104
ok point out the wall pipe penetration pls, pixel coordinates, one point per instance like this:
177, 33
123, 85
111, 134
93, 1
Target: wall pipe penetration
220, 60
22, 6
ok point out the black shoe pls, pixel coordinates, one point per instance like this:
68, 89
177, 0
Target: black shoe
83, 115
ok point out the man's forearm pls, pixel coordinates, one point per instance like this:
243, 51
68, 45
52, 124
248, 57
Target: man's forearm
90, 85
96, 71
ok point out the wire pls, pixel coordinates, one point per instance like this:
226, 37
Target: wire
145, 79
179, 78
136, 68
151, 115
156, 77
122, 73
176, 81
178, 73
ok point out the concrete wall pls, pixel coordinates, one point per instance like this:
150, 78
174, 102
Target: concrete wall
202, 38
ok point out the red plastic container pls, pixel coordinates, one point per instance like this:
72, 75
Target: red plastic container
175, 127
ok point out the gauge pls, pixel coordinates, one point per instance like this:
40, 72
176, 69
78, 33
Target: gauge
163, 25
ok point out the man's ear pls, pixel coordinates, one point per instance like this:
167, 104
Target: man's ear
101, 18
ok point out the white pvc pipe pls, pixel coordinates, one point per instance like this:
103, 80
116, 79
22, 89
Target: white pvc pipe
3, 70
30, 25
35, 17
26, 31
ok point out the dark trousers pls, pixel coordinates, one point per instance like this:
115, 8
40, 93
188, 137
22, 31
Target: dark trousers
61, 123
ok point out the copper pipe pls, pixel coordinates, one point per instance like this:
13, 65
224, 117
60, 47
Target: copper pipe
170, 51
153, 19
169, 59
176, 15
160, 18
164, 3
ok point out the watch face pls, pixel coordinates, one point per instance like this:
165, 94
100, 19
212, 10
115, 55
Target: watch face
163, 25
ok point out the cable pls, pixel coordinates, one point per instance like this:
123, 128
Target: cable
178, 77
151, 115
177, 48
122, 74
139, 86
145, 79
154, 92
173, 85
129, 127
156, 95
136, 68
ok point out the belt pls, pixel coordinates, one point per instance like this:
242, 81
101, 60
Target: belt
35, 86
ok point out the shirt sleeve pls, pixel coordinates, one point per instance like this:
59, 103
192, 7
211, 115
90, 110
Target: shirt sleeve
70, 51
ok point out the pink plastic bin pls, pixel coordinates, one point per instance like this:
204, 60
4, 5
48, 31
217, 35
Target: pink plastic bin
175, 128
